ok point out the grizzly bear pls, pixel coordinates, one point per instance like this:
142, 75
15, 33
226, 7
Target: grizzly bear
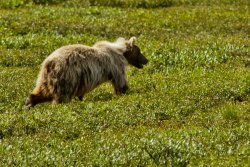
74, 70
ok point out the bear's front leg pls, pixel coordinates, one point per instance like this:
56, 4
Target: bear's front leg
124, 89
80, 98
120, 85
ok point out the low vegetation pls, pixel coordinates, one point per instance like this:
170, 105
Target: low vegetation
190, 106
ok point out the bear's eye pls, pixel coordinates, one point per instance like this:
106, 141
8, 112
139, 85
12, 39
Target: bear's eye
136, 50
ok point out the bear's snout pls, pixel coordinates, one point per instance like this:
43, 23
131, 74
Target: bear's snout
141, 61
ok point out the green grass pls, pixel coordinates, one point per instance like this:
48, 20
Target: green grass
190, 106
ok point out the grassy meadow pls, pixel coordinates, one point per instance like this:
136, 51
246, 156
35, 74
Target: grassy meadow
189, 106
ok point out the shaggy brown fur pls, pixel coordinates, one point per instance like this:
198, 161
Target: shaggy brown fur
74, 70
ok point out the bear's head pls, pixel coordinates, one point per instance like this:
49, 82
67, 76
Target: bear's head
133, 53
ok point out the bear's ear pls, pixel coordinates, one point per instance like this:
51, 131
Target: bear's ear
120, 40
132, 41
